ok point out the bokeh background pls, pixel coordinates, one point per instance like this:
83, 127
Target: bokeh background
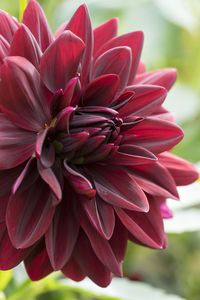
172, 39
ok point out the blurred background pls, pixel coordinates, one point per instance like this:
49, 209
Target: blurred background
172, 39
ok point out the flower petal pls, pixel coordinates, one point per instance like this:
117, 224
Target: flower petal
155, 180
4, 48
101, 91
147, 228
63, 232
73, 271
29, 214
21, 94
16, 144
104, 33
34, 18
80, 24
181, 170
156, 135
90, 264
24, 44
134, 40
10, 257
58, 64
100, 246
8, 26
109, 183
164, 77
146, 100
115, 61
37, 263
79, 182
100, 214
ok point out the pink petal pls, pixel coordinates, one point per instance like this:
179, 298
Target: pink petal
90, 264
58, 64
115, 61
16, 144
156, 135
80, 24
146, 100
155, 180
117, 187
165, 211
79, 182
72, 270
147, 228
100, 214
104, 33
134, 40
8, 25
63, 232
100, 246
22, 95
34, 18
60, 30
141, 68
37, 263
164, 77
4, 48
101, 91
29, 214
10, 257
24, 44
181, 170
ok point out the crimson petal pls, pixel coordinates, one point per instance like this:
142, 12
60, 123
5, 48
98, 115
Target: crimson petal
29, 214
34, 18
145, 227
37, 263
8, 26
16, 144
134, 40
146, 100
154, 134
104, 33
79, 182
58, 65
101, 91
4, 48
68, 94
100, 246
64, 225
101, 215
109, 182
182, 171
22, 95
90, 263
165, 77
10, 257
24, 44
115, 61
72, 270
80, 24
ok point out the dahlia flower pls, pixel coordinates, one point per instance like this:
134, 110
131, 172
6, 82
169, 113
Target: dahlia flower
84, 147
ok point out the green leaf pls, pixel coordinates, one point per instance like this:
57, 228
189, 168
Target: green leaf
5, 277
122, 289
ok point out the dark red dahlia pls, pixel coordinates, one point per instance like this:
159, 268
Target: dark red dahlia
84, 147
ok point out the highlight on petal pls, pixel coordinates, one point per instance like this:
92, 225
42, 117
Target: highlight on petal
25, 45
4, 48
22, 97
60, 61
34, 18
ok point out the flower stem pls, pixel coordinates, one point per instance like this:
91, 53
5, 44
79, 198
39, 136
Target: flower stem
22, 6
